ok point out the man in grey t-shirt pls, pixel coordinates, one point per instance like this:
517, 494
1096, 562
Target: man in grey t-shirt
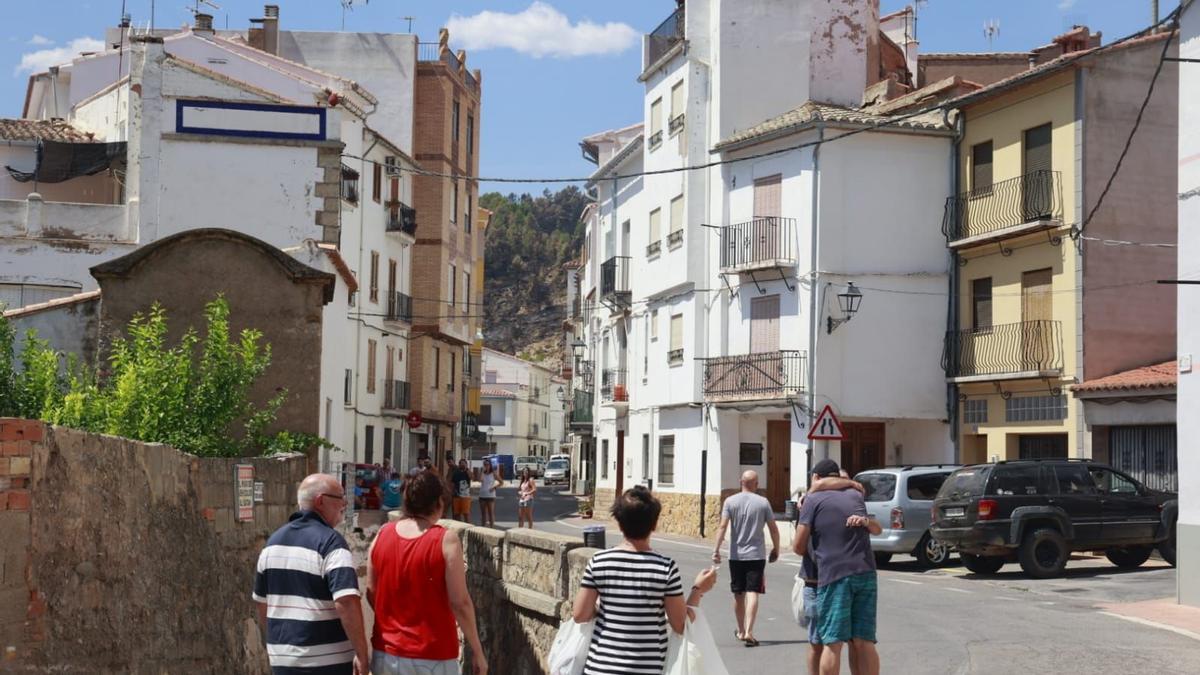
747, 512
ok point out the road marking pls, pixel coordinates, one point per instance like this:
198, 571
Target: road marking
957, 590
906, 581
1154, 624
1005, 597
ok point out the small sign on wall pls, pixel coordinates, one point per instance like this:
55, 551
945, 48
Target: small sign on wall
260, 492
243, 486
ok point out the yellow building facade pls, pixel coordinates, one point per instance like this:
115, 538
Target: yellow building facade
1014, 352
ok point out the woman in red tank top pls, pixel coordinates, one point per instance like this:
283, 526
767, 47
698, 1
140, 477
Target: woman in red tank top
417, 586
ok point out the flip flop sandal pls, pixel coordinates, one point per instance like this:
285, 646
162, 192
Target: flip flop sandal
751, 642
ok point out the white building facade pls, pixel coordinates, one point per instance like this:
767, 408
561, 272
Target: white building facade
708, 294
521, 407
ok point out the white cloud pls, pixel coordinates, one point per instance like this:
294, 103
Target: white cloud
1064, 5
40, 41
540, 30
36, 62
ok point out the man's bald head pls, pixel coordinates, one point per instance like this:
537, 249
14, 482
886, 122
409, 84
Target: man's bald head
313, 486
750, 480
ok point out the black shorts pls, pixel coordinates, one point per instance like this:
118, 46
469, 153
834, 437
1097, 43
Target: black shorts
747, 576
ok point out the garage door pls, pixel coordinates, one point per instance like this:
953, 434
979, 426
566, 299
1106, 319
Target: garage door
1147, 453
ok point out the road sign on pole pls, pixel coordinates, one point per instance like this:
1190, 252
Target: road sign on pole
827, 427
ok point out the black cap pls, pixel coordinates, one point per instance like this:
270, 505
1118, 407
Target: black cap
825, 468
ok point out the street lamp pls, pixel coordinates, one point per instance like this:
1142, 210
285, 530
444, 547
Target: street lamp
577, 347
848, 301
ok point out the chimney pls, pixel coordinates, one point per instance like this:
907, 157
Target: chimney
203, 23
1032, 60
271, 29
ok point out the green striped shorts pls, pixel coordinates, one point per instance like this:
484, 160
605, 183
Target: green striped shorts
847, 609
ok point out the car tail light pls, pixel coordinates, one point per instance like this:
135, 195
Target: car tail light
933, 514
987, 509
897, 519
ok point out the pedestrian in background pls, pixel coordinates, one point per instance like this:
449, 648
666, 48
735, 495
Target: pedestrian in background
306, 588
528, 488
489, 480
834, 528
460, 482
747, 512
417, 586
392, 492
639, 591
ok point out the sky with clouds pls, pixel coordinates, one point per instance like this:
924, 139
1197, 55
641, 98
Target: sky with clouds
553, 70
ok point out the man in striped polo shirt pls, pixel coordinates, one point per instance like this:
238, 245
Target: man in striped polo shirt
307, 589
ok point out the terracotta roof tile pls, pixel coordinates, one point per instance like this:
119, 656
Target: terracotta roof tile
492, 392
812, 112
1158, 376
51, 304
50, 130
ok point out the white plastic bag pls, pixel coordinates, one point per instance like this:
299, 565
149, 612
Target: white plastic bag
569, 652
798, 614
695, 652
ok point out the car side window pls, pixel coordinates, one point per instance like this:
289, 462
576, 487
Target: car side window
924, 488
1074, 480
1109, 482
1016, 480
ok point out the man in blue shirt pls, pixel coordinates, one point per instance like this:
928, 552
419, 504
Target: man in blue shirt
835, 530
306, 587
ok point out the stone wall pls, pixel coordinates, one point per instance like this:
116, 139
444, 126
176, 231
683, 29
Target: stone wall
680, 511
126, 557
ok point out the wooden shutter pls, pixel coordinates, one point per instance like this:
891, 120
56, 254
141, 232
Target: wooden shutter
677, 214
390, 369
981, 166
768, 197
981, 303
1037, 149
371, 366
374, 276
1036, 295
391, 280
377, 182
764, 325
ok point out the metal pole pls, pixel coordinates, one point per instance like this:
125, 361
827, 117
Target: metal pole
1154, 12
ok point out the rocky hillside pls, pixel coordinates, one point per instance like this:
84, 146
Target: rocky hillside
528, 241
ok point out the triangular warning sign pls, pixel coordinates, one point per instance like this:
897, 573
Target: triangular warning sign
827, 427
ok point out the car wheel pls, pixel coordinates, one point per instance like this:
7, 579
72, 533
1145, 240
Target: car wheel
1166, 548
930, 552
1129, 557
882, 559
1043, 553
982, 564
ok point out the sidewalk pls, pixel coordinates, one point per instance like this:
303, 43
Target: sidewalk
1164, 613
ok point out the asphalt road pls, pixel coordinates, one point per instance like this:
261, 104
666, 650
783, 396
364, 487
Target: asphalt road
939, 622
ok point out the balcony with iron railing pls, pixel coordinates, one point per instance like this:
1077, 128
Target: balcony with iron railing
399, 307
613, 387
396, 395
1004, 352
614, 283
675, 124
758, 244
582, 414
432, 52
401, 218
535, 430
1029, 203
668, 34
746, 377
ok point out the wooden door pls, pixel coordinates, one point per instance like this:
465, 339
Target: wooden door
620, 462
779, 462
1037, 334
863, 447
764, 232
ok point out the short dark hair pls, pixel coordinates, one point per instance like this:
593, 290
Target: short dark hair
636, 512
422, 492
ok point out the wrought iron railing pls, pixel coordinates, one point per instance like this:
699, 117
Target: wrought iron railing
675, 124
991, 208
674, 238
401, 218
581, 410
653, 249
755, 376
396, 395
661, 39
675, 356
757, 244
432, 52
534, 430
613, 387
399, 307
655, 139
1006, 349
614, 278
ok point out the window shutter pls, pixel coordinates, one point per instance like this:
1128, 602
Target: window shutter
677, 214
655, 225
677, 99
677, 332
768, 197
764, 325
981, 166
656, 116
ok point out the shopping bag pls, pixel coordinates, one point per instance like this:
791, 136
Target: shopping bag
798, 614
569, 652
695, 652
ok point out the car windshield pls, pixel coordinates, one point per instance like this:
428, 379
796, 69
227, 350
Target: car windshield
557, 464
964, 483
881, 487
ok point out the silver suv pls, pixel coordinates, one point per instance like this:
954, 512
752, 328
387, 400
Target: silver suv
900, 499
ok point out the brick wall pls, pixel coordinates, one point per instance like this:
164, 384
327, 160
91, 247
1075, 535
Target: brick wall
121, 556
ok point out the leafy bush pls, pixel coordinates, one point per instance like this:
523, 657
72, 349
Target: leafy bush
153, 391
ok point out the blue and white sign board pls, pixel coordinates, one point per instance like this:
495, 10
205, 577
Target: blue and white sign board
252, 120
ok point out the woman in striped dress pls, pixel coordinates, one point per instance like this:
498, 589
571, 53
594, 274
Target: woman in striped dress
639, 593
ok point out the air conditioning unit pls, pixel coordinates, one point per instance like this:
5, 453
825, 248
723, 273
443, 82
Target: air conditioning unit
391, 165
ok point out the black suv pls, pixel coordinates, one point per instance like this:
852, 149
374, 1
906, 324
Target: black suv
1038, 511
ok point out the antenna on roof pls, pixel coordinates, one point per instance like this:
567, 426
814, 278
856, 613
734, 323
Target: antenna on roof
991, 28
409, 19
349, 5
